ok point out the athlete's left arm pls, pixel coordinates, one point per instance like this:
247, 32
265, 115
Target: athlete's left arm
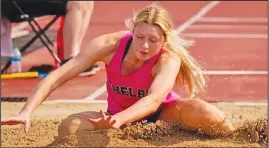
163, 83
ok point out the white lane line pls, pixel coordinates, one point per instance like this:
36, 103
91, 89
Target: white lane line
235, 72
250, 104
231, 27
234, 19
197, 16
96, 93
225, 35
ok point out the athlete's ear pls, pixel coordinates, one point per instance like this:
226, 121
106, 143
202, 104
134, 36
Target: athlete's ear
129, 23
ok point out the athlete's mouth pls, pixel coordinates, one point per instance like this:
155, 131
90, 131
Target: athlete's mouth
143, 53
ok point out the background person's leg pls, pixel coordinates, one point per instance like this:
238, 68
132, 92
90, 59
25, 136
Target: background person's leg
75, 27
196, 114
77, 19
6, 40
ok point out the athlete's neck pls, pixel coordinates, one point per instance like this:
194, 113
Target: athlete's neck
132, 59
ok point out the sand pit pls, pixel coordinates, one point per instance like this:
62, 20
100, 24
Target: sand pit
250, 120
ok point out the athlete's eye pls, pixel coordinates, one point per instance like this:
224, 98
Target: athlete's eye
140, 37
154, 41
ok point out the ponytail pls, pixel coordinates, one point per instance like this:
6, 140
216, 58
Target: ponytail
190, 73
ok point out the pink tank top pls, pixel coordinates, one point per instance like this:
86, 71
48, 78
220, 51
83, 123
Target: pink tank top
125, 90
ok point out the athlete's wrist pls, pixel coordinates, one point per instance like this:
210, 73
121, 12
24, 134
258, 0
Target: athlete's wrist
119, 120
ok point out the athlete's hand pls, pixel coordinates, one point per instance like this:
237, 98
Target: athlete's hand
21, 118
105, 121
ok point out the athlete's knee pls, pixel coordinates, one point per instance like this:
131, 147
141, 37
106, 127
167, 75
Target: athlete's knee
68, 126
210, 120
73, 125
196, 114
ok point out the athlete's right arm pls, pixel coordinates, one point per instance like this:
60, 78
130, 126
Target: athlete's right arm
97, 50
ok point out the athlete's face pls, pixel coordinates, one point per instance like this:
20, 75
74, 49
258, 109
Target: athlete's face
147, 40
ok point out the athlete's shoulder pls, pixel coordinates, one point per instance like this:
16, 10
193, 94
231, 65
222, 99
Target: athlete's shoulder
169, 56
167, 60
116, 36
111, 42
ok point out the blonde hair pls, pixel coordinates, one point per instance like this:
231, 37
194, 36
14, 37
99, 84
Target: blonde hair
190, 71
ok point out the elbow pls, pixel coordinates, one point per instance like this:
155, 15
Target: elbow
154, 107
157, 101
155, 104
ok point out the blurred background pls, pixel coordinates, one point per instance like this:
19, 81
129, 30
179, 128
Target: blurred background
231, 45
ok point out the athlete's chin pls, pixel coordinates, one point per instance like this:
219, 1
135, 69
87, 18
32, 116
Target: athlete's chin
143, 57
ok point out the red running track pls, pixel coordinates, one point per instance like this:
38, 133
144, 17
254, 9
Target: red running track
216, 53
